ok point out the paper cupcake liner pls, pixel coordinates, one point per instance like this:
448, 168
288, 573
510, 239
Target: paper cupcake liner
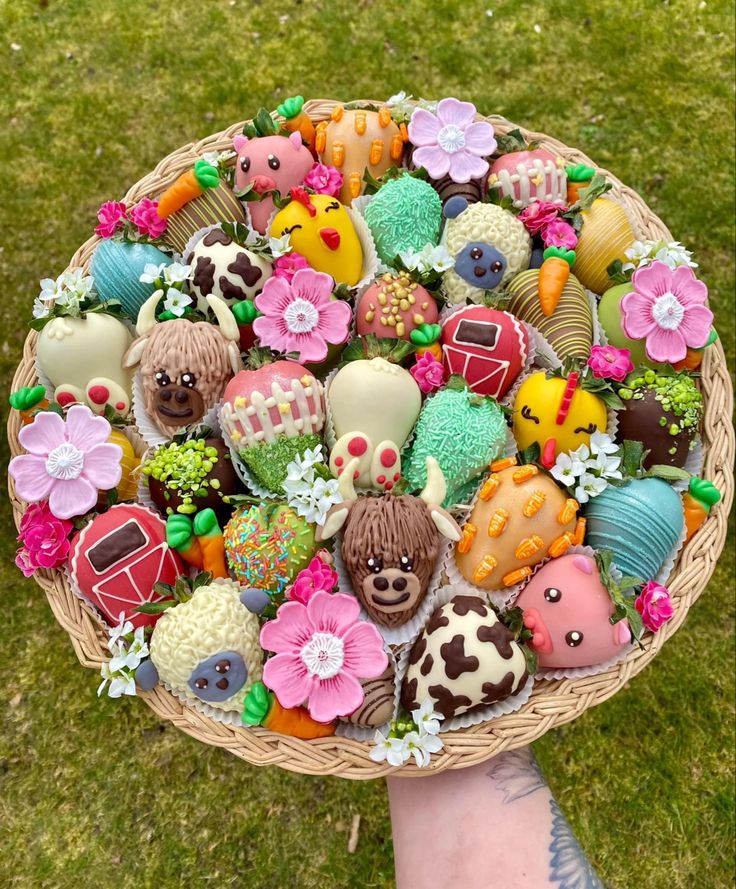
152, 435
403, 633
226, 717
500, 708
364, 733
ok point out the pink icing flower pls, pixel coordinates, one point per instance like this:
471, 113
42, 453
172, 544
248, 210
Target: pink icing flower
67, 462
322, 653
539, 214
301, 316
666, 309
428, 372
559, 233
111, 215
324, 180
609, 363
654, 605
286, 265
317, 577
44, 538
146, 219
450, 142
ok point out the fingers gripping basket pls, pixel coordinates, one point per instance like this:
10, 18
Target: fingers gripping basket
552, 703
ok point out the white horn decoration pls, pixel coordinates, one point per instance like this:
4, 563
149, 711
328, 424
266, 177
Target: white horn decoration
346, 485
225, 318
146, 320
436, 489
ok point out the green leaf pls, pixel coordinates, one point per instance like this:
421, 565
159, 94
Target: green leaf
370, 346
616, 273
632, 455
598, 186
530, 454
531, 658
264, 123
511, 141
155, 607
667, 473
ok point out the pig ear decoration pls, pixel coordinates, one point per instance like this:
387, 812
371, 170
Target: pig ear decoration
338, 514
433, 494
296, 140
225, 318
239, 141
622, 633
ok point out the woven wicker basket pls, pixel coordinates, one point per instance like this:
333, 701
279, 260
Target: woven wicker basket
552, 703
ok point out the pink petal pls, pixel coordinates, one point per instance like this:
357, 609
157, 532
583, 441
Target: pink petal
32, 483
465, 166
695, 325
339, 696
72, 497
275, 296
434, 160
479, 139
665, 345
289, 632
334, 321
311, 346
44, 434
363, 651
268, 331
690, 291
453, 111
287, 676
332, 613
314, 287
423, 128
653, 280
84, 429
102, 466
636, 315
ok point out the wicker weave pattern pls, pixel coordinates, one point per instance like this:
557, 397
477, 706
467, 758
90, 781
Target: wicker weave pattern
552, 703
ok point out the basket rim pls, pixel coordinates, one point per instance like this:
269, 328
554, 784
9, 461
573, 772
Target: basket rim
553, 702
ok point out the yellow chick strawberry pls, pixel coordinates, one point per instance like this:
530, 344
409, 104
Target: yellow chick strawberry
320, 228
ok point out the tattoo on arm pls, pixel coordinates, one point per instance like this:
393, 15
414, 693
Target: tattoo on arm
516, 774
569, 868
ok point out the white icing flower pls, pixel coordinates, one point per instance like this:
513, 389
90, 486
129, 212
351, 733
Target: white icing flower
151, 272
176, 302
176, 273
40, 309
123, 627
567, 469
215, 158
673, 254
397, 98
77, 283
602, 443
605, 466
279, 246
426, 718
428, 259
394, 751
307, 492
422, 746
50, 289
589, 486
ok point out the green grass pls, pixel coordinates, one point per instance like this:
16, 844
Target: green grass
99, 793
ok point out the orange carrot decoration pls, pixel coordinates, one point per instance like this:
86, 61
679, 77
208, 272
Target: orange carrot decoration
262, 708
697, 501
28, 401
211, 542
553, 275
296, 120
188, 186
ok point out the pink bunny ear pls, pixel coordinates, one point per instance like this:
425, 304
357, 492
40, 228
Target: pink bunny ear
296, 140
239, 141
622, 633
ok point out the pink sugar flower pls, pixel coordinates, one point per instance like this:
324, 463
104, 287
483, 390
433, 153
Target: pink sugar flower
559, 233
317, 577
451, 141
654, 605
324, 180
111, 215
667, 310
301, 316
539, 214
323, 651
286, 265
146, 219
67, 463
44, 538
609, 363
428, 372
